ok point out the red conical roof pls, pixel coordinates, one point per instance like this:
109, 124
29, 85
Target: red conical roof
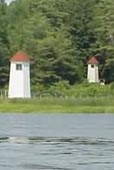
93, 60
20, 57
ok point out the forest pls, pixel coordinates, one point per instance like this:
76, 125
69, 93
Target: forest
59, 36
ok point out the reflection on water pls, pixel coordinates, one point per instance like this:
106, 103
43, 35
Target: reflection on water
56, 142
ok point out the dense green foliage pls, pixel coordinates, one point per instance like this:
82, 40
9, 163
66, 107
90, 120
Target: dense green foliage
59, 35
64, 90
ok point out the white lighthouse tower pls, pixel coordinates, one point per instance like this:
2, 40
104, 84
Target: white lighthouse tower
19, 79
92, 73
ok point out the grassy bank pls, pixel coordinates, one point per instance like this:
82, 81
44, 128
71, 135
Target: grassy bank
58, 105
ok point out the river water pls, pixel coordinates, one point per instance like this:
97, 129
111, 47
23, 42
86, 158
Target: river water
56, 142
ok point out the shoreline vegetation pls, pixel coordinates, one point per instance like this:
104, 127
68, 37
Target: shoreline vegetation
82, 98
58, 105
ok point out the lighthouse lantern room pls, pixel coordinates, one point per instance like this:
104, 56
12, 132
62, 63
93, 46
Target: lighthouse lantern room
19, 78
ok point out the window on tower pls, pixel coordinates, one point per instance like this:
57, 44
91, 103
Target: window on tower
92, 65
18, 66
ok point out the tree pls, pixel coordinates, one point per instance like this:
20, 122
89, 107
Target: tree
50, 46
4, 44
104, 24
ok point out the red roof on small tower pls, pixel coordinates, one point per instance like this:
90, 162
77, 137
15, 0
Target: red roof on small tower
20, 57
93, 60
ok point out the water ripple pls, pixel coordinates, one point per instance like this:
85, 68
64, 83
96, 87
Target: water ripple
57, 140
44, 167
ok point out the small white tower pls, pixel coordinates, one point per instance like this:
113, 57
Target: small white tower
92, 73
19, 79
